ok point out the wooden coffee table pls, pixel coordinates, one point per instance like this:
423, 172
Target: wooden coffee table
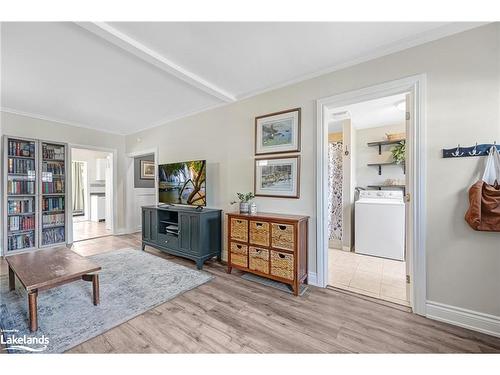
48, 268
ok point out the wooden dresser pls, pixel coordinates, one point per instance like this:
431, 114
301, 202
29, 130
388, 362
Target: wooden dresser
269, 245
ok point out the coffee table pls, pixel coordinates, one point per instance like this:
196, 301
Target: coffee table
44, 269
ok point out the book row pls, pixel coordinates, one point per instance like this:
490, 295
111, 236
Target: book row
53, 204
53, 219
20, 206
21, 148
52, 152
21, 223
20, 187
21, 241
53, 187
21, 166
53, 235
56, 168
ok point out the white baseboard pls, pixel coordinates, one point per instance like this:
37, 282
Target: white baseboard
312, 279
476, 321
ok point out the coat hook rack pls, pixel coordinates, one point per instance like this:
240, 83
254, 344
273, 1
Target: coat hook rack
476, 150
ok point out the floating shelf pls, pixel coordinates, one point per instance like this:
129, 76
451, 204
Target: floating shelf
379, 165
380, 187
379, 144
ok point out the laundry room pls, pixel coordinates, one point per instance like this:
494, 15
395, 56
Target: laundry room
367, 181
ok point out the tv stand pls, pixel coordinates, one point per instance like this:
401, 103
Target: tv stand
183, 231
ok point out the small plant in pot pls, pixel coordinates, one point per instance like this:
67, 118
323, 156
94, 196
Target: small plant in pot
399, 152
244, 200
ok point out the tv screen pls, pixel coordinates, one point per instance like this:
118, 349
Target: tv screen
183, 183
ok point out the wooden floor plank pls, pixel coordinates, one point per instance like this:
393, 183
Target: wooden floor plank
233, 315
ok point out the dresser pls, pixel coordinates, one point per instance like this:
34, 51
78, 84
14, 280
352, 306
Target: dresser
269, 245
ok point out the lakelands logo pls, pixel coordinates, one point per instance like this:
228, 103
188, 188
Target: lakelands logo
12, 341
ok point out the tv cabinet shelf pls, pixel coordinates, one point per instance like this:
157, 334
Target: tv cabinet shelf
198, 234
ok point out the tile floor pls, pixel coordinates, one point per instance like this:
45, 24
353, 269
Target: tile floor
375, 277
84, 230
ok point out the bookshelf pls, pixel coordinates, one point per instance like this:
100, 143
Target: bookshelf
21, 201
35, 201
53, 194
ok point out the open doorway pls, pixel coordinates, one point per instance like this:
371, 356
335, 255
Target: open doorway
415, 180
92, 202
366, 189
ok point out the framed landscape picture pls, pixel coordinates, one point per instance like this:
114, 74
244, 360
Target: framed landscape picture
278, 132
147, 170
277, 177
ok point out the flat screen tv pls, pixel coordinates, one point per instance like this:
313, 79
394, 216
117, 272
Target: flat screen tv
183, 183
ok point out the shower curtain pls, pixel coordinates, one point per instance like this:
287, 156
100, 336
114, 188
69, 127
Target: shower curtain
77, 187
335, 151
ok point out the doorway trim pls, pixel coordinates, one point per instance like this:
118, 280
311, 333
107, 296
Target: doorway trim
114, 179
416, 189
130, 185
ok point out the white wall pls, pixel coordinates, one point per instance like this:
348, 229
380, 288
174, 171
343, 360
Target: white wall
462, 107
24, 126
368, 175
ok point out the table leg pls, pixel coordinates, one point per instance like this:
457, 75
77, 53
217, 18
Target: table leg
94, 278
95, 289
33, 313
12, 279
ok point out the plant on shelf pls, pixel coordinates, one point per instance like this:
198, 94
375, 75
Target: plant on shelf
244, 199
399, 152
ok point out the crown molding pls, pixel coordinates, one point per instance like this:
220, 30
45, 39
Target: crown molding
388, 49
56, 120
125, 42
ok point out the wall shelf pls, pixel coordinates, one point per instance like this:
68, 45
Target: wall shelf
379, 165
379, 144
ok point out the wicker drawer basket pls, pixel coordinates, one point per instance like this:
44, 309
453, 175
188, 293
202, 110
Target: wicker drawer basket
239, 254
259, 233
282, 265
258, 259
239, 229
282, 236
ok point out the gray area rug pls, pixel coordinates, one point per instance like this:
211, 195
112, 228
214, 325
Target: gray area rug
131, 282
273, 283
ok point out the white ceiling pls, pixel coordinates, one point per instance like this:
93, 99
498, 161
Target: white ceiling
369, 114
124, 77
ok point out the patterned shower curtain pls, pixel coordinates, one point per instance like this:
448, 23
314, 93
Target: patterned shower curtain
335, 151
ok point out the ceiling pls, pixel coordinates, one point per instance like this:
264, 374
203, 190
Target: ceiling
128, 76
389, 110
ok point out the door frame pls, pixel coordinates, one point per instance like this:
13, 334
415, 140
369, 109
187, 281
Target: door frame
416, 188
114, 179
129, 193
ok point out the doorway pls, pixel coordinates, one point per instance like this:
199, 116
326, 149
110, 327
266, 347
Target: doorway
91, 193
350, 250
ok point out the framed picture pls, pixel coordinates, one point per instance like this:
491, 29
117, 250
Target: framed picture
278, 132
147, 170
277, 177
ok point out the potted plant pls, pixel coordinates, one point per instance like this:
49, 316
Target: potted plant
399, 152
244, 199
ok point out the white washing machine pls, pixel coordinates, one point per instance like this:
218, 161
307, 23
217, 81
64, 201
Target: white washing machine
379, 224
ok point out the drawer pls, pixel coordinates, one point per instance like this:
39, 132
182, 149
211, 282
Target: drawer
282, 265
239, 254
239, 229
169, 241
259, 233
282, 236
258, 259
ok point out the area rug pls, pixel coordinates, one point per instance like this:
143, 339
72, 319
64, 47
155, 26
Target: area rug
131, 282
273, 283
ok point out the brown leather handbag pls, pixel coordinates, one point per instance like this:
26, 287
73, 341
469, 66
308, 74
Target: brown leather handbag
484, 197
484, 211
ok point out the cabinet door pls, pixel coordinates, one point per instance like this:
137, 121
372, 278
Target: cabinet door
149, 225
189, 232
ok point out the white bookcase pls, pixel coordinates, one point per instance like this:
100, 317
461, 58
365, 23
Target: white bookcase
35, 198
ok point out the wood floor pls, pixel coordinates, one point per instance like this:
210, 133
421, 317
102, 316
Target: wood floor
232, 315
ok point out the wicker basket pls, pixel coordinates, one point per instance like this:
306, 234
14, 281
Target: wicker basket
282, 265
239, 254
259, 233
395, 136
258, 259
239, 229
282, 236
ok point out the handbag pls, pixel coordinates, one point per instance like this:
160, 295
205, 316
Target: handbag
484, 197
